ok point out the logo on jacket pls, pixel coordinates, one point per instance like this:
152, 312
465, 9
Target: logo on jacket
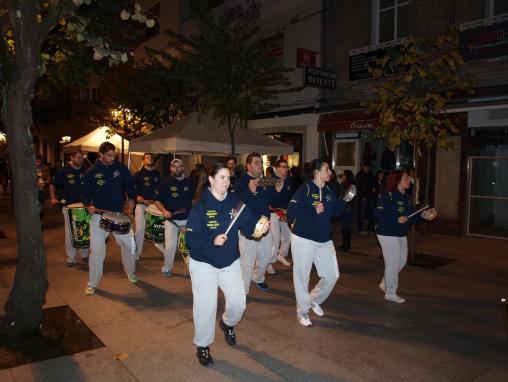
116, 174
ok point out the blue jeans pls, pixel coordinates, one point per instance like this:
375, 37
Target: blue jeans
365, 206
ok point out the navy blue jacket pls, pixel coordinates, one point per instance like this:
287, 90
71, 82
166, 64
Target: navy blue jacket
302, 209
259, 201
105, 186
69, 181
210, 217
390, 206
284, 196
175, 195
146, 182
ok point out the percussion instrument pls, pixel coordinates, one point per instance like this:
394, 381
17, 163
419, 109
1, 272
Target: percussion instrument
267, 182
281, 213
258, 230
350, 193
115, 222
429, 214
182, 247
79, 223
154, 228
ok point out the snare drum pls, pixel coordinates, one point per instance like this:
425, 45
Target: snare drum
115, 222
258, 230
79, 223
154, 228
182, 247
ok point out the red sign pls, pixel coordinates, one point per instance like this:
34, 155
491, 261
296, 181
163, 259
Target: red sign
305, 57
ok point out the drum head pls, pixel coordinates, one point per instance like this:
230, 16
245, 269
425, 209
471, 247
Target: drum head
76, 205
154, 210
116, 217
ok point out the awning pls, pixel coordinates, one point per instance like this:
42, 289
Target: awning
348, 121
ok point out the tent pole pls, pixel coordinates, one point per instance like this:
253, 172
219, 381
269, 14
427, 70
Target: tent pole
123, 161
129, 161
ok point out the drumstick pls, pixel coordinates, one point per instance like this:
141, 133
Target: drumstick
417, 212
319, 181
234, 219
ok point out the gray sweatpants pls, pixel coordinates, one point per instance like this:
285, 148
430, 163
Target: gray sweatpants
255, 255
139, 218
306, 252
170, 243
98, 251
281, 237
206, 279
395, 257
69, 249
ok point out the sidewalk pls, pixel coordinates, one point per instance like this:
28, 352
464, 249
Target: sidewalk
450, 328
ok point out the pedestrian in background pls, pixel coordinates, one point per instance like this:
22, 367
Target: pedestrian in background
365, 186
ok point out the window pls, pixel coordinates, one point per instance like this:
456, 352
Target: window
391, 20
497, 7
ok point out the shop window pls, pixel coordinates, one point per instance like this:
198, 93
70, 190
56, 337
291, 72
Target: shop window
390, 20
497, 7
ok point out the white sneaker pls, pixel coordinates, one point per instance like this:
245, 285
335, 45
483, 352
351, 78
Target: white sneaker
304, 319
283, 261
382, 285
317, 309
270, 269
394, 298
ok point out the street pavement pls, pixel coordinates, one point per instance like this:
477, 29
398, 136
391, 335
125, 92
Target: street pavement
450, 329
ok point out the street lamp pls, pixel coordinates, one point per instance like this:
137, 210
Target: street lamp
65, 139
3, 137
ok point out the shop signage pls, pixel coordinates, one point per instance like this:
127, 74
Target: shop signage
305, 57
362, 59
319, 78
486, 38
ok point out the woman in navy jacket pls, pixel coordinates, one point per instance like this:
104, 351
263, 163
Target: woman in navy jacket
311, 209
392, 213
214, 259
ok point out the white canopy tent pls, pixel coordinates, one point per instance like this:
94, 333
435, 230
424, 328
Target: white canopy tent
201, 134
93, 140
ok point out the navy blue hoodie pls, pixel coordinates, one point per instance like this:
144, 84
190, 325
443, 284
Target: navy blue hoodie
146, 182
105, 186
210, 217
175, 194
259, 201
284, 196
70, 181
390, 206
302, 209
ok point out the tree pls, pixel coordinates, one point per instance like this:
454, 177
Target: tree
226, 66
413, 90
29, 25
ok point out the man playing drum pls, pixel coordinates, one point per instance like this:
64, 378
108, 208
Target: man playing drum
255, 254
281, 234
69, 181
105, 186
146, 181
173, 197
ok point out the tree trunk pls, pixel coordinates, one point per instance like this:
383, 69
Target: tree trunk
231, 137
23, 311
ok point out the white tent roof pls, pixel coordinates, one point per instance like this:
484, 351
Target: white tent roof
93, 140
203, 135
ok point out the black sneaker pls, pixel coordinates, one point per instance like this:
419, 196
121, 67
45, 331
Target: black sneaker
204, 356
229, 333
263, 287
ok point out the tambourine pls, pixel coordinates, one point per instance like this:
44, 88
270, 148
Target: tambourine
429, 214
350, 193
258, 230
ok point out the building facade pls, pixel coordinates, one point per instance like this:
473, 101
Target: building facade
466, 184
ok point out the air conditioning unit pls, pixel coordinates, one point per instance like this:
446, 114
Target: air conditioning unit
488, 118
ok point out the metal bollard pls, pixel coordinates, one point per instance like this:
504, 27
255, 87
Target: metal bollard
504, 308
